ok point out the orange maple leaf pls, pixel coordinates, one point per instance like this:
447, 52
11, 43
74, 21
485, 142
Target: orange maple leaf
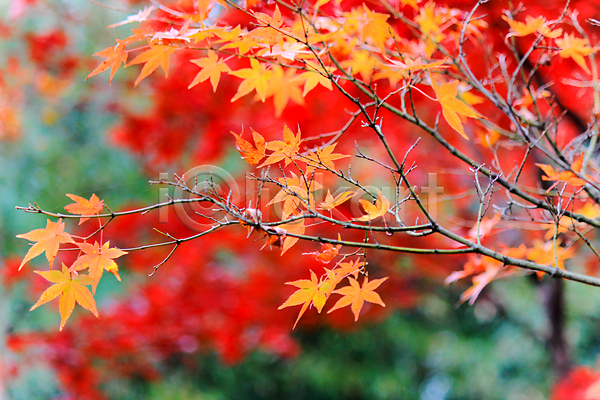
344, 269
531, 25
155, 56
71, 289
312, 78
98, 259
84, 207
356, 295
115, 56
451, 106
575, 48
330, 202
283, 87
564, 176
381, 206
328, 252
313, 291
296, 191
250, 153
212, 67
48, 240
322, 159
257, 77
286, 149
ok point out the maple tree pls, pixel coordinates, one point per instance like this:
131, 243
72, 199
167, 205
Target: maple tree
406, 80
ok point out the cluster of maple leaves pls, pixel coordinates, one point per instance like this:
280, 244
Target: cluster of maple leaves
68, 283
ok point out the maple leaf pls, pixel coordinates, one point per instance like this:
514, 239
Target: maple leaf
255, 78
545, 253
155, 56
330, 202
286, 149
322, 159
48, 240
575, 48
451, 106
115, 56
71, 289
328, 252
84, 207
361, 62
564, 176
531, 25
309, 292
381, 206
294, 228
345, 269
313, 78
356, 295
97, 259
212, 67
295, 192
269, 32
250, 153
283, 87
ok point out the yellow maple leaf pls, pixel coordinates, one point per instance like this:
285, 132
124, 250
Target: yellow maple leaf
330, 202
71, 289
48, 240
283, 87
283, 150
212, 68
575, 48
355, 295
451, 106
313, 291
256, 77
374, 211
531, 25
155, 56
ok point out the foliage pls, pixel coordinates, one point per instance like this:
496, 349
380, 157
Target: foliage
489, 89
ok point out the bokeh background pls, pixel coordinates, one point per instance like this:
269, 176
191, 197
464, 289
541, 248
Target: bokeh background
207, 326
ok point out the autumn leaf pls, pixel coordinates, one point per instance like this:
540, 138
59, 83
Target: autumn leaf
155, 56
381, 206
451, 106
283, 87
328, 252
564, 176
330, 202
71, 289
212, 67
575, 48
313, 78
250, 153
97, 259
345, 269
309, 292
286, 149
356, 295
255, 78
48, 240
322, 158
531, 25
115, 56
84, 207
295, 192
